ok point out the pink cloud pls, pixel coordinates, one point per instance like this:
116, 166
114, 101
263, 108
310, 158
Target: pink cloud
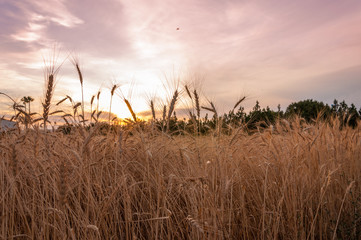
260, 48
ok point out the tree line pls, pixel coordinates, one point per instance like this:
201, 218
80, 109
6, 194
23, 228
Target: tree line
308, 110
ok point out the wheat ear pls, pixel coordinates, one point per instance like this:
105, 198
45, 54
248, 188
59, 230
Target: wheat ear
130, 109
196, 100
48, 96
152, 108
171, 107
75, 62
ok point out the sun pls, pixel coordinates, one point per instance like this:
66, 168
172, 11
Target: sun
121, 110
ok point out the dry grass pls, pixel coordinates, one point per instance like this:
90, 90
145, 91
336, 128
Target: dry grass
75, 62
294, 182
172, 108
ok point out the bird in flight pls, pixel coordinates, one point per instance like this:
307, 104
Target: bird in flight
177, 28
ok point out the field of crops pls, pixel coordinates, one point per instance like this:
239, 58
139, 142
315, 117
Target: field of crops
291, 181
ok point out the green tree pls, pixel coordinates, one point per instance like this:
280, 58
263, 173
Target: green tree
27, 110
27, 100
347, 115
308, 109
261, 117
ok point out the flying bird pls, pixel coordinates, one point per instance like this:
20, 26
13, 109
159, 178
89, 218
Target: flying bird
177, 28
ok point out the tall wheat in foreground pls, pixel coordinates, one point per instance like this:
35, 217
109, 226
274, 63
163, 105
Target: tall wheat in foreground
296, 181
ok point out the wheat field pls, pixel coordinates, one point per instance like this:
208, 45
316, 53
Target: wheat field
292, 181
143, 180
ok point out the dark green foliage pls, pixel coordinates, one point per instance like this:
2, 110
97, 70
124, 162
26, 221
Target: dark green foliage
258, 118
261, 117
348, 115
311, 110
308, 109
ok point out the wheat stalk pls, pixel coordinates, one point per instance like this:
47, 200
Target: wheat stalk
130, 109
75, 62
164, 115
171, 107
112, 90
50, 73
211, 109
91, 108
196, 100
98, 96
188, 92
48, 96
238, 102
152, 109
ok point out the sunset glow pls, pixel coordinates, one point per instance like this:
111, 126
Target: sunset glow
276, 52
192, 119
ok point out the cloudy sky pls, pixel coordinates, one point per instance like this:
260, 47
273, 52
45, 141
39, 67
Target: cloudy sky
274, 51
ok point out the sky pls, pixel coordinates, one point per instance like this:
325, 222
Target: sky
273, 51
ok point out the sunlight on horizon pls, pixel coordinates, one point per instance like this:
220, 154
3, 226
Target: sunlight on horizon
273, 51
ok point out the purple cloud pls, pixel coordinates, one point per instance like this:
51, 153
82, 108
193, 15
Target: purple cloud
262, 49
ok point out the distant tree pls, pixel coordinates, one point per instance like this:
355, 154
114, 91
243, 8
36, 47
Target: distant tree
234, 119
347, 115
308, 109
342, 108
26, 114
27, 100
261, 117
335, 106
352, 116
280, 113
257, 107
